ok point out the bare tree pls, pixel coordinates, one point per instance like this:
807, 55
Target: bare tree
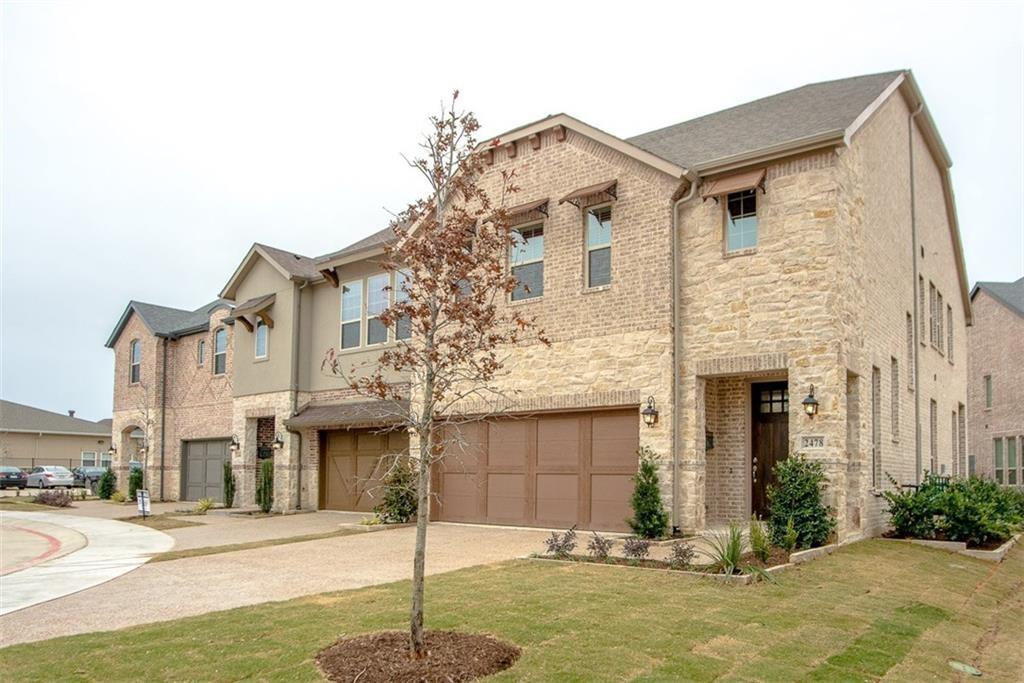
449, 311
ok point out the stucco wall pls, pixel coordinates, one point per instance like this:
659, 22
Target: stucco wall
252, 376
31, 450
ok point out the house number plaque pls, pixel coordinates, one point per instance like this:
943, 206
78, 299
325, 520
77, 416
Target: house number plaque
812, 441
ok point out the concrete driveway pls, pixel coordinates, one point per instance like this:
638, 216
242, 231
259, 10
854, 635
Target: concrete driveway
187, 587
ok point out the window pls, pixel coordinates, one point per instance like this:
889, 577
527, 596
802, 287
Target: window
741, 220
88, 458
377, 302
201, 352
261, 339
997, 460
953, 446
134, 361
105, 459
1011, 461
910, 352
599, 246
876, 427
932, 324
351, 313
934, 434
403, 327
895, 398
920, 305
775, 400
961, 444
988, 391
220, 351
527, 262
949, 333
940, 326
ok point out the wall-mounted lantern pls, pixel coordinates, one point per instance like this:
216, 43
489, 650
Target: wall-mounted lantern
650, 412
278, 443
112, 451
810, 404
234, 445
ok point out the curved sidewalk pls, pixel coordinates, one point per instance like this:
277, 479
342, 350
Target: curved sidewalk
113, 548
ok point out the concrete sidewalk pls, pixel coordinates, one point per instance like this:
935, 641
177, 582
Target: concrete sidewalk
187, 587
114, 548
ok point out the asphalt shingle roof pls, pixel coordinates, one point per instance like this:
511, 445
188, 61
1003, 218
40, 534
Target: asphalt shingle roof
1011, 294
796, 114
165, 321
17, 416
294, 264
376, 239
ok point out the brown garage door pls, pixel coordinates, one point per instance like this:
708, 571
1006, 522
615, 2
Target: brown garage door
349, 471
552, 470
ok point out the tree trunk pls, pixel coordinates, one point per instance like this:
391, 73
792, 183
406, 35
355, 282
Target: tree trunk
417, 648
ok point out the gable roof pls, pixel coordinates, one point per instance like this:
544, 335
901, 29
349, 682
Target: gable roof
364, 247
805, 113
167, 322
17, 417
290, 265
1010, 294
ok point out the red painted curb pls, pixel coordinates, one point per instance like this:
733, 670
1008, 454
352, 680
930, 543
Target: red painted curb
54, 547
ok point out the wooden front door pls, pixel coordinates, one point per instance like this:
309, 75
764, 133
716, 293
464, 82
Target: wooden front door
769, 438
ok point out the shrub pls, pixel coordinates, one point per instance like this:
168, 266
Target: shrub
265, 486
760, 544
561, 545
681, 555
54, 498
600, 546
789, 537
912, 512
203, 505
727, 549
118, 497
399, 503
134, 483
636, 548
107, 485
229, 485
649, 520
796, 495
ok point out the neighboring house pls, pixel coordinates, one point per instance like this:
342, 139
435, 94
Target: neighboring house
714, 270
995, 397
30, 437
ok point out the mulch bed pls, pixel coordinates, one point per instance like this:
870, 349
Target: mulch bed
777, 557
384, 656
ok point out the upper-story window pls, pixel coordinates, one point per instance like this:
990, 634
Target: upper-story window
949, 332
201, 352
741, 220
261, 336
134, 361
599, 246
988, 391
527, 262
403, 327
351, 314
377, 301
220, 351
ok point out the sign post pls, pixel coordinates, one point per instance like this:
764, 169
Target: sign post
142, 498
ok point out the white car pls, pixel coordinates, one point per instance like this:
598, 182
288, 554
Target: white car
49, 476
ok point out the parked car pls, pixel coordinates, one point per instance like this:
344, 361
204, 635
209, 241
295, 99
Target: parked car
11, 477
88, 476
49, 476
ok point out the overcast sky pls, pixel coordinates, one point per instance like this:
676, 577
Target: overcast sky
147, 145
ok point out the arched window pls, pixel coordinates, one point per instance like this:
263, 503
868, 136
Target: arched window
220, 351
134, 361
201, 352
261, 339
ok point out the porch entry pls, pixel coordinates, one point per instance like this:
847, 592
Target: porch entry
769, 438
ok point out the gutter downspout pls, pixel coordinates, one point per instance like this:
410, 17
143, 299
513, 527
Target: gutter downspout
677, 350
163, 417
917, 298
296, 338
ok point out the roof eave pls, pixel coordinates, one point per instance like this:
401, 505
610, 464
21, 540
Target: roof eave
829, 138
122, 322
52, 432
360, 255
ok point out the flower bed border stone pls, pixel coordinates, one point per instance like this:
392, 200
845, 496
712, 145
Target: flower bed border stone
961, 548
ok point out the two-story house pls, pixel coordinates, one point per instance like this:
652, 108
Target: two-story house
781, 277
995, 397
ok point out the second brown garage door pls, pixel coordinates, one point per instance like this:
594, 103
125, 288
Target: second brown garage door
349, 470
552, 470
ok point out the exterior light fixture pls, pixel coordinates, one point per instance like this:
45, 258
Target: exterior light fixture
650, 412
142, 450
278, 442
810, 404
112, 451
234, 445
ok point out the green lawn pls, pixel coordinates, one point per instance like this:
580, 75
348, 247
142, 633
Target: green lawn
873, 609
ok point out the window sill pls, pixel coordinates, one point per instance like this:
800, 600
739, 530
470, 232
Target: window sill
595, 290
366, 347
264, 359
523, 302
740, 252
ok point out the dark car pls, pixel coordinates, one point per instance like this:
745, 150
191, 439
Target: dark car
88, 476
11, 477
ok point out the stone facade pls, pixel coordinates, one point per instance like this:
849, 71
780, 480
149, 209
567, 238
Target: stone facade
995, 347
